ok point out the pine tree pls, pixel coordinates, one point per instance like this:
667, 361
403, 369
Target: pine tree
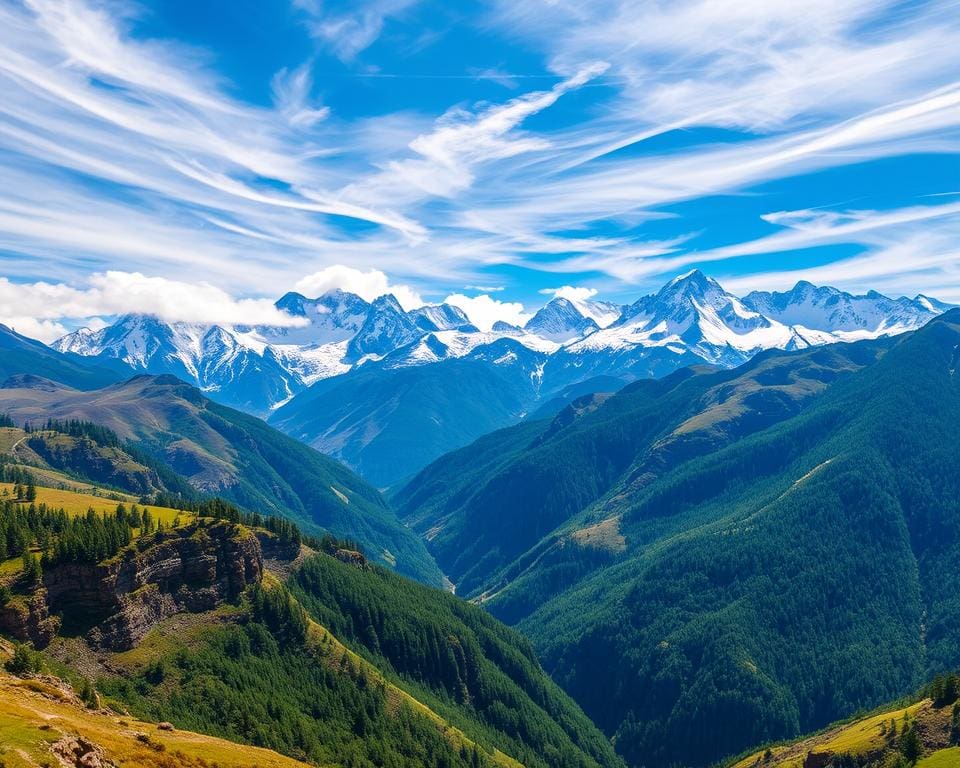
21, 663
910, 746
32, 570
31, 493
88, 694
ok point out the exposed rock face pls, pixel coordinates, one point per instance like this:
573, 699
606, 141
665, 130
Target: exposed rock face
351, 557
818, 759
188, 569
275, 548
28, 618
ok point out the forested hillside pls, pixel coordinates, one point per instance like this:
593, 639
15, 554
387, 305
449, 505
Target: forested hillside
389, 422
169, 425
467, 664
181, 616
921, 730
487, 510
778, 553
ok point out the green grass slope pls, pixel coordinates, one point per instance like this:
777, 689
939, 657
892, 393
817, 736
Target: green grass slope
922, 730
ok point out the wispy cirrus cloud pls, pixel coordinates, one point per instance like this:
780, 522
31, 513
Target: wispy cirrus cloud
349, 30
126, 153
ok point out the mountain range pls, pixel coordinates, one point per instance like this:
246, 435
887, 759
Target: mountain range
358, 380
705, 561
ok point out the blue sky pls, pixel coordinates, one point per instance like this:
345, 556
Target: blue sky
197, 160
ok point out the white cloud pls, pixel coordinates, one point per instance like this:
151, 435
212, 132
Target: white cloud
367, 285
484, 310
462, 140
570, 292
485, 288
42, 330
291, 94
350, 33
115, 293
124, 153
804, 229
95, 323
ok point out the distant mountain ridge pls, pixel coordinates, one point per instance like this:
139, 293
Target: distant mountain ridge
276, 372
258, 368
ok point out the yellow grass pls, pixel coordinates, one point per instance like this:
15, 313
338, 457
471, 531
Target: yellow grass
31, 720
603, 535
860, 737
945, 758
864, 735
76, 503
9, 437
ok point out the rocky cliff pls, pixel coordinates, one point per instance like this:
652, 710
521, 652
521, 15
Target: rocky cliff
27, 618
193, 568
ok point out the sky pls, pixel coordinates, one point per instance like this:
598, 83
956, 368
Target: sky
198, 160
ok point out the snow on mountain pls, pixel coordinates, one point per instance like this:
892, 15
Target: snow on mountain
314, 362
560, 320
603, 313
691, 319
844, 316
932, 305
445, 345
441, 317
333, 317
691, 313
385, 328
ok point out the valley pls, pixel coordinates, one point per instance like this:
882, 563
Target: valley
488, 384
383, 373
640, 575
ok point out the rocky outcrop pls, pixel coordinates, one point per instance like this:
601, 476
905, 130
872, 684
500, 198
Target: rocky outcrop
351, 557
276, 548
27, 618
79, 752
194, 568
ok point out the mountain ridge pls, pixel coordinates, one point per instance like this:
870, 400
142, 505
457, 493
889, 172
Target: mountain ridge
359, 359
691, 312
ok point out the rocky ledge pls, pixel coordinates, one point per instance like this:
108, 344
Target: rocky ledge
193, 568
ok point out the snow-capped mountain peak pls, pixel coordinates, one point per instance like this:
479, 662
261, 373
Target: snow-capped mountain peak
844, 316
440, 317
561, 321
336, 316
385, 328
690, 319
